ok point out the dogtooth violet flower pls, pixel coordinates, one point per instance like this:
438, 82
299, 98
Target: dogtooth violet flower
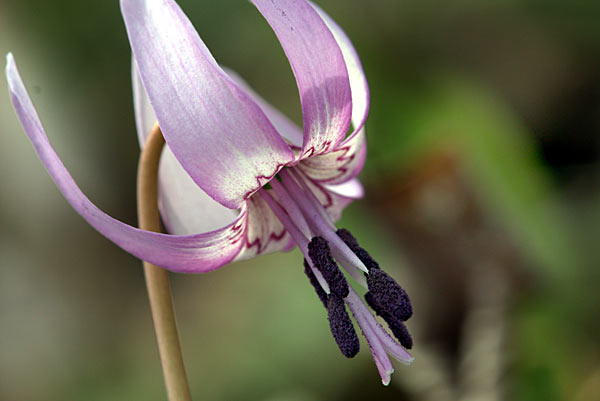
237, 178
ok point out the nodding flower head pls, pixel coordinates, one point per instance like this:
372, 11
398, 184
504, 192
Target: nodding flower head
219, 198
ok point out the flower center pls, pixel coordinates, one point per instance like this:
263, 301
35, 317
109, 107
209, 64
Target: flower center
295, 204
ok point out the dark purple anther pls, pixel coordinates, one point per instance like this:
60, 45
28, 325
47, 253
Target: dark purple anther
341, 326
320, 254
348, 238
401, 333
352, 243
396, 326
388, 294
315, 283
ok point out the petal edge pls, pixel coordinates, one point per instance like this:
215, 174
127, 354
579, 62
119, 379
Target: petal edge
189, 254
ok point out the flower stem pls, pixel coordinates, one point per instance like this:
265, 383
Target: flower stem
157, 279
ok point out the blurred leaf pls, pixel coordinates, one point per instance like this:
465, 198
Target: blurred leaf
497, 154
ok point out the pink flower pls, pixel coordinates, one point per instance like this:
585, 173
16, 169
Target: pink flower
218, 196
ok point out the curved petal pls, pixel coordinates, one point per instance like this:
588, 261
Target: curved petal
319, 68
351, 189
185, 208
286, 128
190, 254
220, 136
340, 165
358, 80
265, 233
347, 160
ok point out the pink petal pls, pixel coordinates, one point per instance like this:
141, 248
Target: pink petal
358, 80
319, 68
265, 233
219, 135
351, 189
190, 254
349, 157
340, 165
185, 208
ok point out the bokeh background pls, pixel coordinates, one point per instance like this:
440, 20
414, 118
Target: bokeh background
483, 200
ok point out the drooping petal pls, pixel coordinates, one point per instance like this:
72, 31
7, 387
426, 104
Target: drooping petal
185, 208
348, 159
220, 136
340, 165
190, 254
319, 68
358, 80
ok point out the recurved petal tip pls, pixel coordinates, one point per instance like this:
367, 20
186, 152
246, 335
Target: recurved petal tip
190, 254
9, 59
11, 71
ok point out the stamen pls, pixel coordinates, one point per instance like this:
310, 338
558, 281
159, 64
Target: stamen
315, 283
296, 234
341, 252
388, 294
320, 254
352, 243
396, 326
341, 326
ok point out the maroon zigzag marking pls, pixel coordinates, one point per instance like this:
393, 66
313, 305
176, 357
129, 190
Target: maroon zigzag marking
265, 177
343, 157
258, 243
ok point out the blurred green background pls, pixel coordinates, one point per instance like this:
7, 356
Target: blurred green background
483, 200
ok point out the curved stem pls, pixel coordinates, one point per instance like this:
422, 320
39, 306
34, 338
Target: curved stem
157, 279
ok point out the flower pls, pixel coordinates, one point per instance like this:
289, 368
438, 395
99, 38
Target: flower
218, 196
